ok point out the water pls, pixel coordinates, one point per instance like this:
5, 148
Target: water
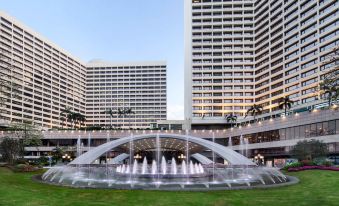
230, 142
144, 166
173, 167
163, 165
159, 173
154, 167
135, 167
213, 155
183, 168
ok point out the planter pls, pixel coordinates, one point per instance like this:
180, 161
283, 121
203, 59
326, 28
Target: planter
296, 169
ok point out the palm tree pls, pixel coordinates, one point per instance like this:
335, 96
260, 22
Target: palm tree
254, 111
285, 103
111, 113
80, 118
332, 91
129, 111
64, 115
71, 117
231, 118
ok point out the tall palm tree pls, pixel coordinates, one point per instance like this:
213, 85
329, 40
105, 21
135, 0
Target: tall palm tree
285, 103
231, 118
254, 111
111, 113
64, 115
129, 111
71, 117
80, 118
332, 91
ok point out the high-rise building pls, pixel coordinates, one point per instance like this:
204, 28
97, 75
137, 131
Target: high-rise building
240, 53
139, 86
50, 80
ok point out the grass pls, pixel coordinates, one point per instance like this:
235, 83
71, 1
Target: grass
316, 188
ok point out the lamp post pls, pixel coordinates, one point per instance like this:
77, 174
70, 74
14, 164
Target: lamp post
259, 159
66, 157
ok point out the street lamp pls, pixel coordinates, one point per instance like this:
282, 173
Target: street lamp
66, 157
259, 159
137, 156
182, 156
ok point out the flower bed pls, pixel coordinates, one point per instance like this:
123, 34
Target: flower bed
296, 169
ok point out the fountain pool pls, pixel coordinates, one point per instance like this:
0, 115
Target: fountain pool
163, 161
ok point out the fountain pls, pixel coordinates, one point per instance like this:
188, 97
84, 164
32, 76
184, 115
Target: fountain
193, 171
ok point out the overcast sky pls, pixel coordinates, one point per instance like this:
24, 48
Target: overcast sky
113, 30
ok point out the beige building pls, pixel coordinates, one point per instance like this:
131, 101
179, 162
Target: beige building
50, 79
243, 52
140, 86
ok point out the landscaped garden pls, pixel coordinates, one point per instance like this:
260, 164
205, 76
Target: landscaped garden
316, 187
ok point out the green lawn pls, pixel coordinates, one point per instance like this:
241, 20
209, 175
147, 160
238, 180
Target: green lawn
316, 188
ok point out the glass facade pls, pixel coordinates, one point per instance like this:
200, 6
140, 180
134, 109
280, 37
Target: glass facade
298, 132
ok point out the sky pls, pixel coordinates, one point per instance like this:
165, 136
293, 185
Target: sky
113, 30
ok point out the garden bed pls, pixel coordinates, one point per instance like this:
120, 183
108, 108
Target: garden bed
315, 167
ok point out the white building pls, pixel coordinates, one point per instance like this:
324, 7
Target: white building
240, 53
140, 86
50, 80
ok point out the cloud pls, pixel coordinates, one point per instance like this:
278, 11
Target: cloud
175, 112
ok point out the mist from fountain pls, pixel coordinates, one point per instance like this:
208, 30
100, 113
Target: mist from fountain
173, 167
144, 166
163, 165
135, 167
128, 171
191, 167
183, 168
154, 167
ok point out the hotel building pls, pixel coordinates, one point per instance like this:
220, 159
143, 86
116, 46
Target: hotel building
50, 80
240, 53
140, 86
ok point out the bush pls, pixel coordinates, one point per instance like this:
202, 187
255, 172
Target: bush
293, 165
308, 163
24, 168
327, 163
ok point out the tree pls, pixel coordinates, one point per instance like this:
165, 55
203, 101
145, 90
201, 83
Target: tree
129, 111
285, 103
27, 132
73, 117
254, 111
308, 150
231, 118
330, 90
11, 149
111, 113
9, 87
64, 115
57, 153
329, 86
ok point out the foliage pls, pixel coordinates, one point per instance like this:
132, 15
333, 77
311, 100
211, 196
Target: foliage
28, 133
11, 149
70, 116
25, 168
254, 111
330, 84
308, 150
285, 103
57, 154
293, 165
9, 87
